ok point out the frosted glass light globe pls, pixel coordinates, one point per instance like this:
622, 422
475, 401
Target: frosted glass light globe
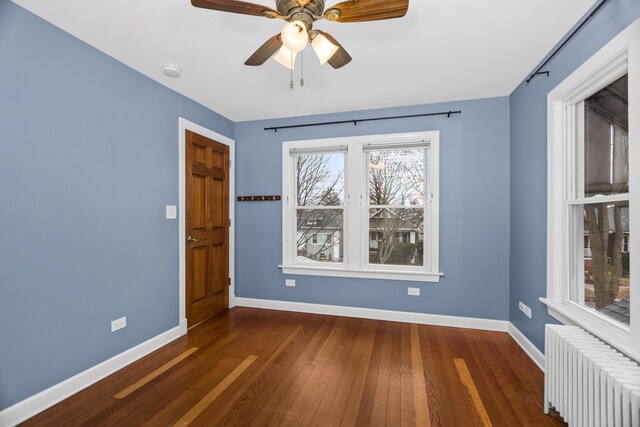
323, 48
286, 58
295, 36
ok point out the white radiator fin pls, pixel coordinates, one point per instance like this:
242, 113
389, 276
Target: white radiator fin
588, 382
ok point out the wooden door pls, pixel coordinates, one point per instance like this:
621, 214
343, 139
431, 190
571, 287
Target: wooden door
207, 228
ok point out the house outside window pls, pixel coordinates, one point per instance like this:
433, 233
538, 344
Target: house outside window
594, 123
362, 207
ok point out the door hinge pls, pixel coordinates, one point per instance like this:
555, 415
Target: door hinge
229, 163
229, 281
229, 222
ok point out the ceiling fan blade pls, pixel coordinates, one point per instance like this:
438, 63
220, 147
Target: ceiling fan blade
368, 10
236, 6
264, 52
341, 57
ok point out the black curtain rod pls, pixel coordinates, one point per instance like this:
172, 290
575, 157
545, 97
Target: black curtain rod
539, 71
356, 121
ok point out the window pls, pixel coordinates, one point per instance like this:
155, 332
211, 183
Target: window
593, 148
362, 207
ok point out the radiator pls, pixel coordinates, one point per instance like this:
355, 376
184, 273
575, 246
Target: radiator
588, 382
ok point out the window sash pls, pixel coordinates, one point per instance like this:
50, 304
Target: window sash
365, 256
293, 212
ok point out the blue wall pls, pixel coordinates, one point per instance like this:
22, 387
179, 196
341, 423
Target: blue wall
474, 225
529, 166
88, 161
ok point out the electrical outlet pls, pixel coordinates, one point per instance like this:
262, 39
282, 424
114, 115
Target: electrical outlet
525, 309
119, 324
414, 292
290, 283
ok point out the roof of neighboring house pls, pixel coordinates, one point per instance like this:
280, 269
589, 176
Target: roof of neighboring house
619, 311
391, 223
327, 220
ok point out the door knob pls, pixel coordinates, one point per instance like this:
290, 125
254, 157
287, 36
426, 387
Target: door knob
192, 239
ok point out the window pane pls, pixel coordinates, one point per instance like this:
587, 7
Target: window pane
606, 259
396, 236
320, 235
607, 140
396, 177
320, 179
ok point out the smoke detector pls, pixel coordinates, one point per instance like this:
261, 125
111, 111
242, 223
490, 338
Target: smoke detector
171, 70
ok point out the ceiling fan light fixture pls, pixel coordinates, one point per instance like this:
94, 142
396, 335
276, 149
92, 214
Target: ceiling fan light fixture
286, 58
323, 48
295, 36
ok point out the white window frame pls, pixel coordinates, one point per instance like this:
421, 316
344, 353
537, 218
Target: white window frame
356, 241
620, 56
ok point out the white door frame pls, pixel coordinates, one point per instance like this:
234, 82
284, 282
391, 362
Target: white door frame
185, 125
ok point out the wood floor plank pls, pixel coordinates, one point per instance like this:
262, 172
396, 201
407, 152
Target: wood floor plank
394, 398
435, 404
381, 396
257, 379
333, 405
310, 389
365, 410
510, 386
474, 396
268, 406
201, 406
419, 389
454, 404
161, 370
408, 411
356, 391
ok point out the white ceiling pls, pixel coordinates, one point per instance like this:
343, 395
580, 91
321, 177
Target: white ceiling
443, 50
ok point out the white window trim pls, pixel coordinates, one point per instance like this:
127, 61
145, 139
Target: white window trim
355, 264
620, 55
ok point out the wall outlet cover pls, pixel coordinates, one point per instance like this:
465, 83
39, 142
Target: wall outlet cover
171, 212
414, 292
290, 283
525, 309
118, 324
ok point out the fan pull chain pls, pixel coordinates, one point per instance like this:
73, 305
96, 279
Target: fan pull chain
291, 82
302, 69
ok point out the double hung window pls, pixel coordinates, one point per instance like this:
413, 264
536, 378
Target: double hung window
362, 207
594, 188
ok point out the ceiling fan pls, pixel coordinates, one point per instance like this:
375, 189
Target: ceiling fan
298, 32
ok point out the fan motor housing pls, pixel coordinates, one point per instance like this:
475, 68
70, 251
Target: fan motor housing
313, 7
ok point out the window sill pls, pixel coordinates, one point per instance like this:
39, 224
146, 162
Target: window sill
609, 331
362, 274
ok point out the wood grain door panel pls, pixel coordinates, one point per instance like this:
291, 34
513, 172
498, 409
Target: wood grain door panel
207, 226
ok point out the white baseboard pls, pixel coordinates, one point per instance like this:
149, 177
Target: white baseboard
182, 328
37, 403
370, 313
528, 347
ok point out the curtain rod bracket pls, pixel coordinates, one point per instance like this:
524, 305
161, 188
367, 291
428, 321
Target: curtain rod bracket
565, 42
539, 73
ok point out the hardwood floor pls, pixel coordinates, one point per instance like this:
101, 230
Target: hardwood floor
249, 367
